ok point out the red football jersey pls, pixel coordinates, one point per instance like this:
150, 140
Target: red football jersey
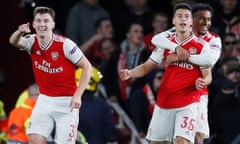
54, 66
178, 84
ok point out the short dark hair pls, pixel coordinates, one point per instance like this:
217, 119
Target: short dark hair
44, 10
202, 6
162, 14
99, 22
182, 6
131, 24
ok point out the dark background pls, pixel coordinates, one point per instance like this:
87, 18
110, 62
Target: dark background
16, 66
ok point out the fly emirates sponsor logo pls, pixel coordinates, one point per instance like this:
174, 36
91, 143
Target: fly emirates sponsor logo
185, 65
46, 67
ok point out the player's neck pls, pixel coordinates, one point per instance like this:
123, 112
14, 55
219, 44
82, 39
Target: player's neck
181, 36
202, 33
45, 40
199, 33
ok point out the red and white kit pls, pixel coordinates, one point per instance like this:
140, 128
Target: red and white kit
177, 96
54, 70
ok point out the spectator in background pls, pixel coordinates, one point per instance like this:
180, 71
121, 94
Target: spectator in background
229, 45
18, 120
237, 50
96, 120
106, 48
232, 42
21, 98
131, 53
81, 19
159, 24
137, 11
3, 123
104, 30
142, 100
226, 15
3, 115
235, 27
24, 95
225, 107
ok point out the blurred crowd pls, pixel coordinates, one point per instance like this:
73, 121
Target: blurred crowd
117, 34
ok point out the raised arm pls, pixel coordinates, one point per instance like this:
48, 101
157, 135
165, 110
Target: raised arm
16, 39
86, 45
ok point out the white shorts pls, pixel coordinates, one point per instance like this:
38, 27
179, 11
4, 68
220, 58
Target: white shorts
202, 117
54, 112
166, 124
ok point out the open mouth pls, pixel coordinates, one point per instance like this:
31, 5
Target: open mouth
42, 28
182, 24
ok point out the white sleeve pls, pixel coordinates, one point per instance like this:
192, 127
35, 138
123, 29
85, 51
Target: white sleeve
157, 55
72, 51
216, 48
29, 39
204, 59
161, 41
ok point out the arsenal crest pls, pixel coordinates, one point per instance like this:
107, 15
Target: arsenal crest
192, 50
54, 55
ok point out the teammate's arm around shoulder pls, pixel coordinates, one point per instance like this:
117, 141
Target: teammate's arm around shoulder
161, 41
216, 48
16, 38
138, 71
203, 59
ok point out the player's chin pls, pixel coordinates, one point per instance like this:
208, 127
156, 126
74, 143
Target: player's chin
183, 31
203, 29
40, 33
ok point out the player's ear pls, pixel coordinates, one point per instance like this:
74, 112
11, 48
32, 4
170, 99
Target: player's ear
54, 25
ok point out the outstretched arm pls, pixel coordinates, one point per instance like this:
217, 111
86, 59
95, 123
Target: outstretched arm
141, 70
138, 71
